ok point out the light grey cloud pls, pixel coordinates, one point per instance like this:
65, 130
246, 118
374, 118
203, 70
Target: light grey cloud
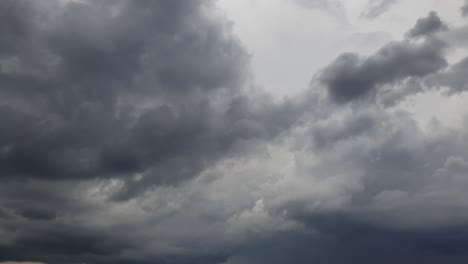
140, 94
81, 121
376, 8
350, 76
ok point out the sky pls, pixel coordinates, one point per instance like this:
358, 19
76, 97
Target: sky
233, 131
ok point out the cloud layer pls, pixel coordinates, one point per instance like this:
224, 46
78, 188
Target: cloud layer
133, 132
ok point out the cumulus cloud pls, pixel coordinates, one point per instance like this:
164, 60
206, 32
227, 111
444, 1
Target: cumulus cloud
427, 26
132, 132
351, 76
453, 79
464, 9
333, 7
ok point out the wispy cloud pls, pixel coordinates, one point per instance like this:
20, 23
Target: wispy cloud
376, 8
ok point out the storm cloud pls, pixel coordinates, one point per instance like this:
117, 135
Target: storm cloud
351, 76
427, 26
116, 89
134, 132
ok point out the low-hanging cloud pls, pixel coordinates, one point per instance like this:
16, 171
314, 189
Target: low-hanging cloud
132, 133
350, 76
427, 26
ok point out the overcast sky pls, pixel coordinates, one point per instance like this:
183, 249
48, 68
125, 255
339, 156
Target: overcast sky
233, 131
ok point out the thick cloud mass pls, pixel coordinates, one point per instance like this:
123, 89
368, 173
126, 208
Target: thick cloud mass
115, 88
427, 26
351, 76
132, 132
454, 78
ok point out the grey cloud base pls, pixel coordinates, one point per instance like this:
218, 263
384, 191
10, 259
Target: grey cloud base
351, 77
464, 9
131, 133
427, 26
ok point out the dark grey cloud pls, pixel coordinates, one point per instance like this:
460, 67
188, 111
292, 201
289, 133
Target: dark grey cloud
350, 76
464, 9
342, 239
427, 26
143, 93
76, 115
405, 178
376, 8
131, 134
453, 79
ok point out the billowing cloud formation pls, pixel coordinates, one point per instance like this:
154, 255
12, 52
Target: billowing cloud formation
126, 94
427, 26
454, 78
116, 89
132, 133
333, 7
351, 76
10, 262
